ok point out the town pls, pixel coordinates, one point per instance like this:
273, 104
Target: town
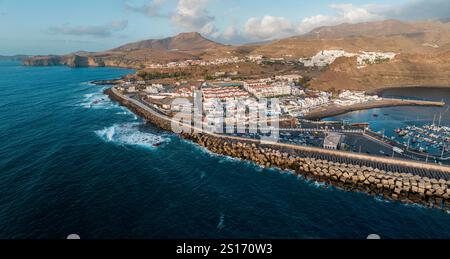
287, 103
294, 99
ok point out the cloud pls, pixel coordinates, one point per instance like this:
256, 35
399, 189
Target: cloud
152, 9
420, 10
189, 15
192, 15
105, 30
271, 27
347, 13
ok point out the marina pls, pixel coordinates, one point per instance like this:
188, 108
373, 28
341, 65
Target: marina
429, 139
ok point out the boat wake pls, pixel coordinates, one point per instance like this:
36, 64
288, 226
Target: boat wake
221, 224
130, 134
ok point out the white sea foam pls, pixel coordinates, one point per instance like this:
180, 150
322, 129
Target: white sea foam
96, 100
318, 185
382, 199
99, 101
88, 84
130, 134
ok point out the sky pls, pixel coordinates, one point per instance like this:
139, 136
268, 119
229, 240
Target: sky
64, 26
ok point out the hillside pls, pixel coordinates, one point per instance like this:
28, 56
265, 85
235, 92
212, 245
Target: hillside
405, 70
421, 48
183, 42
139, 54
390, 35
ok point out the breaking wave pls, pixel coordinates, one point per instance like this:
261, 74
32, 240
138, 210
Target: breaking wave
88, 84
131, 134
96, 100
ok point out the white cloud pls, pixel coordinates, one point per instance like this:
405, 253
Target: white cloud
230, 33
152, 9
192, 15
420, 10
271, 27
105, 30
347, 13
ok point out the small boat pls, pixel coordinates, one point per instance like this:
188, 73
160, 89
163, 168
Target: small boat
157, 144
376, 115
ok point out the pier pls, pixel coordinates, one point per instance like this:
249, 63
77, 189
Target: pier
335, 110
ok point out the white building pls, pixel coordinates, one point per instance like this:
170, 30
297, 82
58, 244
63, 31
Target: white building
348, 98
324, 58
327, 57
264, 90
333, 141
289, 78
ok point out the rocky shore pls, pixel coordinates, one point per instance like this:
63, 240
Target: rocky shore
402, 187
108, 82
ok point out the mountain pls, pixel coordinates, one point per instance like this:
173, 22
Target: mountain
422, 48
390, 35
405, 70
184, 46
192, 41
366, 29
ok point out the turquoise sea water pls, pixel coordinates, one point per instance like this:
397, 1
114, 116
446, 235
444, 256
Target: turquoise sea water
71, 161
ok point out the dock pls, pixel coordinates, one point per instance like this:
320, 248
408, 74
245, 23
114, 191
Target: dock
335, 110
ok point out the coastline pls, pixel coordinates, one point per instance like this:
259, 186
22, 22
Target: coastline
302, 161
335, 110
381, 90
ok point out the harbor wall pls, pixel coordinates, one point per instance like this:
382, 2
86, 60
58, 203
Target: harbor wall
403, 187
335, 110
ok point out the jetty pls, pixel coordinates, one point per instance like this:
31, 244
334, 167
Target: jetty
404, 180
335, 110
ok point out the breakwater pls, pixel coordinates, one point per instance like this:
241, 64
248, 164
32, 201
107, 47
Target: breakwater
351, 175
335, 110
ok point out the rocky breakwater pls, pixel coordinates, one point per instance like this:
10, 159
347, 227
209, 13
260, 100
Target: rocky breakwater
139, 111
403, 187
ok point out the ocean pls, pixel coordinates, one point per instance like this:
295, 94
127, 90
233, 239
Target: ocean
72, 161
